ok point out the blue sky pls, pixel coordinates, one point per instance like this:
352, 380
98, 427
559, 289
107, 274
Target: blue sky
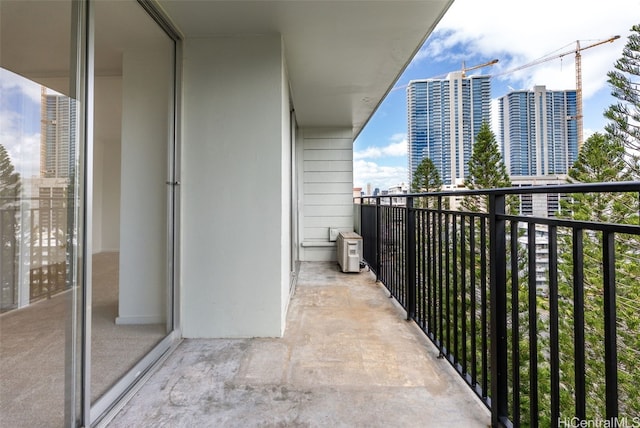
20, 121
515, 33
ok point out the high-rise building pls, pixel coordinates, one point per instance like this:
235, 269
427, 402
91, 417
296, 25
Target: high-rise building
56, 130
444, 118
538, 131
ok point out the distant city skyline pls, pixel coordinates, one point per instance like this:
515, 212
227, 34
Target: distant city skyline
475, 33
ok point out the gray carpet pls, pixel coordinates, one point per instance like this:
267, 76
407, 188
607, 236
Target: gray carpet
32, 350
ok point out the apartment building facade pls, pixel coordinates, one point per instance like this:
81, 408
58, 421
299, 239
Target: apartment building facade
538, 131
444, 116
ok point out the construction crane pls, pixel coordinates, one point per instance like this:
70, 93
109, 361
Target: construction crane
486, 64
577, 50
463, 71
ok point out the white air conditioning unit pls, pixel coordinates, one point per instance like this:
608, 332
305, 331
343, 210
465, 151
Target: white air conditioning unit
349, 247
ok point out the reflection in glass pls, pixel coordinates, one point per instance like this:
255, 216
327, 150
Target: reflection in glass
133, 97
41, 223
38, 165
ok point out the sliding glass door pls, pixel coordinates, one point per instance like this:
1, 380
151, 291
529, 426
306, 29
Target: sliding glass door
87, 202
132, 190
40, 214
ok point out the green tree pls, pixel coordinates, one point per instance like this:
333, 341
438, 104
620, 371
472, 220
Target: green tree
426, 178
486, 169
624, 116
9, 194
9, 180
601, 159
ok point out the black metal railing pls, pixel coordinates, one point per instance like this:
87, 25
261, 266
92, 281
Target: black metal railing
539, 315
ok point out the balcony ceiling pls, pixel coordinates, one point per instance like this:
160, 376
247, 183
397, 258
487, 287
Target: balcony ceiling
342, 56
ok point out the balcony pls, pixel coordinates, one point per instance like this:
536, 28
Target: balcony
348, 358
495, 319
537, 315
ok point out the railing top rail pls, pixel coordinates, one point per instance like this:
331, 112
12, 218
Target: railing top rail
630, 229
621, 186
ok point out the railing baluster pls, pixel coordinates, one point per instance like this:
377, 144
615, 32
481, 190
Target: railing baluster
440, 273
379, 238
533, 328
447, 282
463, 292
472, 309
483, 302
515, 323
578, 322
454, 296
498, 296
430, 261
610, 341
554, 345
410, 258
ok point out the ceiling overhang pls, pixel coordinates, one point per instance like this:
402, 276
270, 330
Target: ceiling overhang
342, 57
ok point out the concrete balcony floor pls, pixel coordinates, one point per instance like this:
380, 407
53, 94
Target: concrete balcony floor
348, 358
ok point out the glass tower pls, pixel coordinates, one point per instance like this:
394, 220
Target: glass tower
58, 127
538, 131
444, 117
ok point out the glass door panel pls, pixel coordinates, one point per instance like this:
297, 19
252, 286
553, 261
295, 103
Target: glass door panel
39, 212
131, 280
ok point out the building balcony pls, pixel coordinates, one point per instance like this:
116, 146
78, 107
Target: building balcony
556, 347
468, 337
348, 358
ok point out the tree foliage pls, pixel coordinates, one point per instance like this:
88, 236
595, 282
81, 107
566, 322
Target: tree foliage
624, 116
601, 159
9, 227
486, 169
426, 178
9, 180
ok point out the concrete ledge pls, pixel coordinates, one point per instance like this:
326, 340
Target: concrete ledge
308, 244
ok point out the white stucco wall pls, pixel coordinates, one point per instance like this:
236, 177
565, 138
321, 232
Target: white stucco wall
143, 193
232, 273
106, 164
327, 190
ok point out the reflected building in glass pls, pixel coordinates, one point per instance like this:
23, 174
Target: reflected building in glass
57, 155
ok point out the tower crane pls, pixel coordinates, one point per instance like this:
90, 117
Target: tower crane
463, 71
578, 65
486, 64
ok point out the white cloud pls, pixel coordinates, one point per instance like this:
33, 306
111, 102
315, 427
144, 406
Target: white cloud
382, 177
19, 107
481, 31
14, 82
396, 148
24, 151
23, 148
